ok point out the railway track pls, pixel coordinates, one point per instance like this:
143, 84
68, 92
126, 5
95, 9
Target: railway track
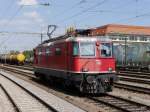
117, 84
135, 75
132, 88
121, 104
115, 104
25, 67
32, 98
25, 71
26, 101
134, 72
9, 100
134, 79
139, 77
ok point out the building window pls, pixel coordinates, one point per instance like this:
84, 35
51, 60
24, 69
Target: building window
143, 38
123, 38
148, 38
114, 38
133, 38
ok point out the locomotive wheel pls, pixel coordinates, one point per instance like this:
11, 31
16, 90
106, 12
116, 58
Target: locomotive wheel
42, 77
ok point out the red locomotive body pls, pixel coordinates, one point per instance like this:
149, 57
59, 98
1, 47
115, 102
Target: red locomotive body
85, 62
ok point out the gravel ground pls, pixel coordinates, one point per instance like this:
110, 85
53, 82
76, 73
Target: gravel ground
75, 99
90, 105
135, 96
52, 100
135, 84
24, 101
5, 104
134, 78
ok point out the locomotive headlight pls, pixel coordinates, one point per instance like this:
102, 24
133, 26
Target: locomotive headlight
85, 69
110, 69
90, 79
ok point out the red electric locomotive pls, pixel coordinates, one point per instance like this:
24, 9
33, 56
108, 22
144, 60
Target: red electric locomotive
85, 62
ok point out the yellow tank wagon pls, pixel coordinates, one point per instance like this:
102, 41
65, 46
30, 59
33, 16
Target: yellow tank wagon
13, 58
20, 58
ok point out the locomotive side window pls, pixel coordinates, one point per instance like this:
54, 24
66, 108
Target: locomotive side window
47, 51
39, 51
87, 49
106, 49
57, 51
39, 55
75, 49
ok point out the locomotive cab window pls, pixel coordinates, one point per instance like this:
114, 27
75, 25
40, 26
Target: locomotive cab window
106, 49
75, 49
87, 49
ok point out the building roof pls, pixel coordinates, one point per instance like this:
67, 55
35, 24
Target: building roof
122, 29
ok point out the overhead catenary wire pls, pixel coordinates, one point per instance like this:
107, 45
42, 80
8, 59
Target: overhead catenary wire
113, 10
96, 5
83, 11
134, 17
26, 33
16, 34
110, 11
7, 8
130, 18
70, 8
10, 20
136, 10
126, 4
13, 16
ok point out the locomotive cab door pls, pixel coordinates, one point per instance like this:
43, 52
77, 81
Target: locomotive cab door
68, 57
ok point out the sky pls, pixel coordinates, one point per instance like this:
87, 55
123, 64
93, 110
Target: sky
29, 16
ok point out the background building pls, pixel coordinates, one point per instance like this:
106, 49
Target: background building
131, 43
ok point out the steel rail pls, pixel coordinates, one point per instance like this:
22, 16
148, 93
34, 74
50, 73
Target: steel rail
34, 96
118, 85
132, 88
134, 80
134, 72
134, 75
10, 98
120, 103
140, 89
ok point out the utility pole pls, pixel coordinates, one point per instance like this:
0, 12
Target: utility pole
41, 38
125, 52
5, 53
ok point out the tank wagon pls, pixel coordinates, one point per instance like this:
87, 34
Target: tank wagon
84, 62
137, 55
13, 58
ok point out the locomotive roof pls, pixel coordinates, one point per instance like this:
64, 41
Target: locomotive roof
72, 38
